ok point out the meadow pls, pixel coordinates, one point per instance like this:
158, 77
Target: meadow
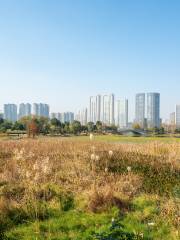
98, 187
113, 138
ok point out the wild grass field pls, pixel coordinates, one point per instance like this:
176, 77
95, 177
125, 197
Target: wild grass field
77, 188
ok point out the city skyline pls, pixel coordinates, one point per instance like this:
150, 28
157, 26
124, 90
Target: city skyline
108, 109
66, 50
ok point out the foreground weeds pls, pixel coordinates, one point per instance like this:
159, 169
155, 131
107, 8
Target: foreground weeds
55, 189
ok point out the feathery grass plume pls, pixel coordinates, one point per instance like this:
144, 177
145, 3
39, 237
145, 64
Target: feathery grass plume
91, 137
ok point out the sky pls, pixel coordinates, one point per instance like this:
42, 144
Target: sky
63, 51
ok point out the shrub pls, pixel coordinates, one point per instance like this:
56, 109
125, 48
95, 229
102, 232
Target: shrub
66, 201
117, 231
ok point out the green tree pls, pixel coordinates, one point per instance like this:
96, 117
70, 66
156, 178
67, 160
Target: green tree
55, 126
55, 122
161, 130
84, 129
155, 130
18, 126
66, 127
112, 128
177, 130
99, 126
1, 120
6, 125
75, 127
90, 126
43, 124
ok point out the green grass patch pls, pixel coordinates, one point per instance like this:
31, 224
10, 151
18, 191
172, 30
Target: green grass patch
68, 225
145, 219
125, 139
142, 222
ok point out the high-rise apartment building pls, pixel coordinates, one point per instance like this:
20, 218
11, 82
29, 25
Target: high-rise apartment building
82, 116
122, 113
77, 116
153, 110
67, 117
140, 109
41, 110
172, 119
10, 112
92, 109
177, 116
95, 108
111, 109
98, 108
44, 110
63, 117
102, 109
108, 109
36, 109
24, 110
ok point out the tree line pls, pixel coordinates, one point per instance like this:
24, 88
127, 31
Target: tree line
42, 125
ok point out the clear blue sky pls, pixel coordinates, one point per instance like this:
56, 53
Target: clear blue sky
63, 51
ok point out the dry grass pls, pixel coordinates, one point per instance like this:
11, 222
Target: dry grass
77, 165
106, 174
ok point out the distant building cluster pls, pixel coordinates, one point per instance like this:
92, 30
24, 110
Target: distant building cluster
104, 108
101, 108
111, 111
107, 110
63, 117
12, 113
40, 110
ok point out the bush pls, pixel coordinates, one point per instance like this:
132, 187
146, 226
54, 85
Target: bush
66, 201
5, 224
117, 232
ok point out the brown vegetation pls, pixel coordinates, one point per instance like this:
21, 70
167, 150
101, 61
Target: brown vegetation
104, 174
